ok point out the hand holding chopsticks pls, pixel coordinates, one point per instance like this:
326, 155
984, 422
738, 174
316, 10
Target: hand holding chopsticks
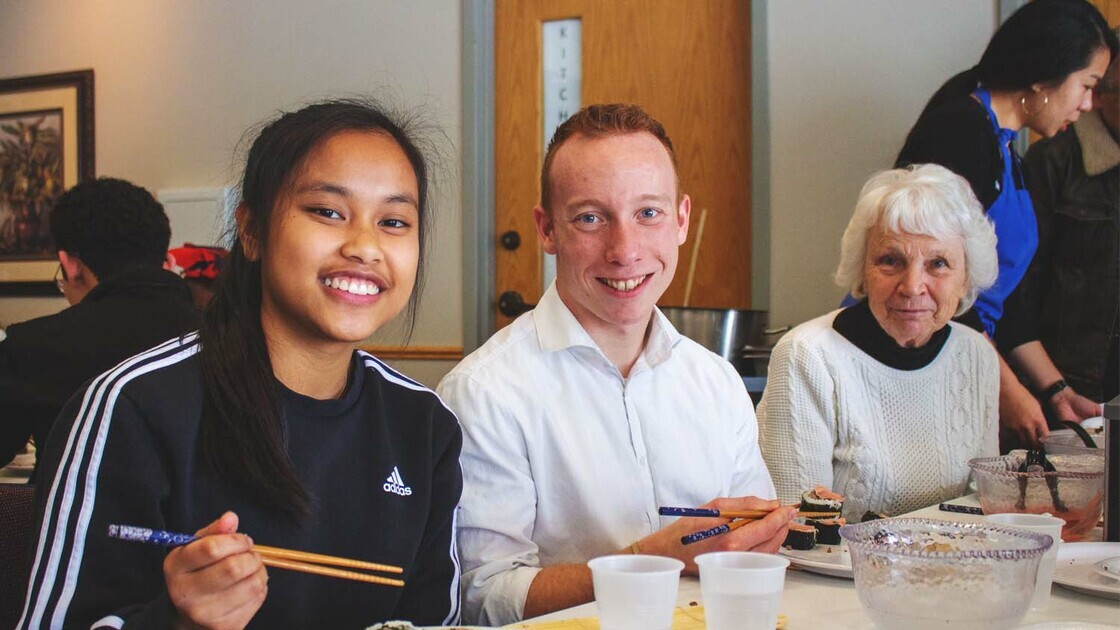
306, 562
742, 517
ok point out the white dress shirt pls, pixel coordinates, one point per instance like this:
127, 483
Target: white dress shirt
565, 460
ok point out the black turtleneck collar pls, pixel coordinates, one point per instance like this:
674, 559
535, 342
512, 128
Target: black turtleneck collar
858, 325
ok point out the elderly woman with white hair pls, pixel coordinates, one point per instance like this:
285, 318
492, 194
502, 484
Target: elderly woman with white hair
886, 401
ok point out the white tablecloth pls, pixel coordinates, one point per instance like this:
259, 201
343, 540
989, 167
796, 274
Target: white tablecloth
817, 601
13, 476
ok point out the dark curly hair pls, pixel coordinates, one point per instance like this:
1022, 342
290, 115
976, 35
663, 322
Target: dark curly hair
111, 225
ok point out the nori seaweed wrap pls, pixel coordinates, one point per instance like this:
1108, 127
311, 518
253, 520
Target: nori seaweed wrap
802, 535
828, 530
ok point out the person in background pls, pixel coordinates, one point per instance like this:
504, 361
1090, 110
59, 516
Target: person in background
199, 265
1037, 72
1067, 317
269, 421
586, 414
111, 238
886, 401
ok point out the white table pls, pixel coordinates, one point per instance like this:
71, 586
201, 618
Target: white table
18, 470
11, 476
811, 600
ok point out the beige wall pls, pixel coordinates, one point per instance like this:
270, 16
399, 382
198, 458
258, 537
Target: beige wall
178, 82
847, 80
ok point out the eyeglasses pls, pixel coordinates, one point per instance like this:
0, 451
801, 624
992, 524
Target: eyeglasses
60, 280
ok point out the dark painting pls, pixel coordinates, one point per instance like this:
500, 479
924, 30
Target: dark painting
31, 179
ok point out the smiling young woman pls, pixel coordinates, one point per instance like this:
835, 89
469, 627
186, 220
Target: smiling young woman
269, 421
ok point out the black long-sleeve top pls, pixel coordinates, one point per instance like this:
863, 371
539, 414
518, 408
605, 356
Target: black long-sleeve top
381, 465
45, 360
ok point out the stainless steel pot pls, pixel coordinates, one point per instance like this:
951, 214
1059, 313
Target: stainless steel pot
740, 336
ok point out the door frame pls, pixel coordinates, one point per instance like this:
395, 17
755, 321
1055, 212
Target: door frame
477, 186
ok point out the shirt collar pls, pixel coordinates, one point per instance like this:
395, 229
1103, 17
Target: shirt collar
558, 329
1099, 150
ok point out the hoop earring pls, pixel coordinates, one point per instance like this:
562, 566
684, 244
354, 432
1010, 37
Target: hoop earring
1023, 104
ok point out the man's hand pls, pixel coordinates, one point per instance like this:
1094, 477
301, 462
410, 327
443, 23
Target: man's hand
1020, 415
1069, 405
217, 581
565, 585
765, 535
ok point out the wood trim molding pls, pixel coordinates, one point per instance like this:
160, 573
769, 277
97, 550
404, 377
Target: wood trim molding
416, 353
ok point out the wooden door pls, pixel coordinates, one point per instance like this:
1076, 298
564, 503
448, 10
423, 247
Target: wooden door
1110, 9
687, 62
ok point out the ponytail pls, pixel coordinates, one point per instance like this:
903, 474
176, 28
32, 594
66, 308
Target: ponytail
241, 436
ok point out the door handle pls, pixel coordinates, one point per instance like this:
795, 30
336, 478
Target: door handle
511, 304
511, 240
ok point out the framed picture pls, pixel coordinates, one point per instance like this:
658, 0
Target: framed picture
46, 146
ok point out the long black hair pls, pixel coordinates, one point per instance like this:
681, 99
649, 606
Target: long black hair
1043, 42
242, 435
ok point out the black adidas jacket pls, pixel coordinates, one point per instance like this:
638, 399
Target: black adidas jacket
381, 465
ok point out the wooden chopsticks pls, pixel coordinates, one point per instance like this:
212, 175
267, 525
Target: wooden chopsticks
311, 563
289, 559
742, 518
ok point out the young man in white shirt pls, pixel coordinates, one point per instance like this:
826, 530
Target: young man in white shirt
585, 415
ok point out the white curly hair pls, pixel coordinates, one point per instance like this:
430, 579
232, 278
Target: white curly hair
928, 200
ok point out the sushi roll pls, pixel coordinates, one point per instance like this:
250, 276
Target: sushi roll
828, 530
801, 536
821, 499
872, 516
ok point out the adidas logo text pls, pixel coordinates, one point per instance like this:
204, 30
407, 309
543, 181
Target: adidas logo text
394, 484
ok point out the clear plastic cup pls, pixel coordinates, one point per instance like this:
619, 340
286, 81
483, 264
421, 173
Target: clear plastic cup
1039, 524
741, 589
636, 592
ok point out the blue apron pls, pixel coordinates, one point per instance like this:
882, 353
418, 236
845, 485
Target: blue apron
1016, 227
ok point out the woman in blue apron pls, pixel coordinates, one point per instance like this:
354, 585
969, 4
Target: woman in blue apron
1038, 72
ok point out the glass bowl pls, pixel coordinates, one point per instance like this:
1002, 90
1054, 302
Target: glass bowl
924, 573
1078, 485
1066, 442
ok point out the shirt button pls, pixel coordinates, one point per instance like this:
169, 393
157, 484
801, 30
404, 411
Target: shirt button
642, 461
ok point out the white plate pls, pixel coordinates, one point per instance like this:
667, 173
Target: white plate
1076, 568
1109, 567
834, 560
1093, 425
1067, 626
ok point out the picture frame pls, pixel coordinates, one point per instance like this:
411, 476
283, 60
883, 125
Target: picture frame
46, 146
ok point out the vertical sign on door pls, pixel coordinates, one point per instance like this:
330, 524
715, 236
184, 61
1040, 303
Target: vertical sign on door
561, 72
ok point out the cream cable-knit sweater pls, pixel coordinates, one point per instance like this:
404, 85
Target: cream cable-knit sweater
889, 440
